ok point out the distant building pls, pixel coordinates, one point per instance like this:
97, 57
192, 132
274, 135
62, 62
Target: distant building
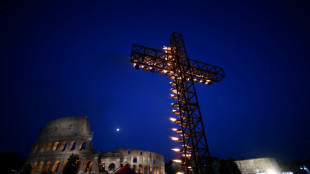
258, 166
71, 135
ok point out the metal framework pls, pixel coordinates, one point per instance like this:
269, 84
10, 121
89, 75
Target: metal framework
183, 72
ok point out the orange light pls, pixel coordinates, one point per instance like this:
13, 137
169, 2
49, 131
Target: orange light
175, 112
175, 139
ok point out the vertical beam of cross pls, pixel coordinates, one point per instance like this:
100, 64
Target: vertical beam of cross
184, 72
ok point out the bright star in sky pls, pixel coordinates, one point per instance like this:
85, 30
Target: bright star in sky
117, 130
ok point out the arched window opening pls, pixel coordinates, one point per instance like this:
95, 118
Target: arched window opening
162, 169
48, 147
73, 144
63, 146
88, 167
42, 148
102, 167
56, 145
150, 169
140, 169
141, 153
134, 160
55, 166
128, 151
145, 169
112, 167
64, 165
83, 146
40, 167
47, 166
35, 149
34, 167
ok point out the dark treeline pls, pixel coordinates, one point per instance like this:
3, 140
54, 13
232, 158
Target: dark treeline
11, 162
218, 166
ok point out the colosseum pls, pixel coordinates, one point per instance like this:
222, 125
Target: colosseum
71, 135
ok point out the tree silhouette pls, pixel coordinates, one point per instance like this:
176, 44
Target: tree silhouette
229, 167
73, 165
27, 169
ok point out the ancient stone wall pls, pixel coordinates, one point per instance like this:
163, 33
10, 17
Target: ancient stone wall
143, 162
58, 140
258, 165
71, 135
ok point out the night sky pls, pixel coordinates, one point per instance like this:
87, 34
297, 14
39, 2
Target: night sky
62, 59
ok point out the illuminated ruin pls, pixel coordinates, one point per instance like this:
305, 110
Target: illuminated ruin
71, 135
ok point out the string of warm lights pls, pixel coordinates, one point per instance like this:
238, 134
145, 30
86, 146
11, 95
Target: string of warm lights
164, 62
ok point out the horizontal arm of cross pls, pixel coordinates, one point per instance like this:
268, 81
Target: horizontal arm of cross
160, 60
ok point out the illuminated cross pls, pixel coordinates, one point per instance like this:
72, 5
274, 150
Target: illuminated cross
183, 72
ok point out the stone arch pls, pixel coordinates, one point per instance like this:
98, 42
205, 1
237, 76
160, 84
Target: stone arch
34, 167
145, 168
134, 160
102, 167
88, 166
55, 166
83, 146
72, 145
162, 169
112, 166
42, 148
140, 171
35, 149
47, 167
64, 165
55, 146
151, 169
63, 146
48, 147
40, 166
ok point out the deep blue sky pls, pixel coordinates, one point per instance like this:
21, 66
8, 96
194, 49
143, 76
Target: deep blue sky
63, 59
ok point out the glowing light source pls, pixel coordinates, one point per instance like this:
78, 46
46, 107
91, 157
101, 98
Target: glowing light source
175, 120
175, 104
209, 82
172, 83
187, 155
168, 73
176, 149
271, 171
136, 66
177, 130
175, 112
172, 119
117, 129
176, 139
177, 160
174, 96
174, 90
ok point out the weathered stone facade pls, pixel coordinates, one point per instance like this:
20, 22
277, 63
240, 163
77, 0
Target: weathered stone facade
258, 165
71, 135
